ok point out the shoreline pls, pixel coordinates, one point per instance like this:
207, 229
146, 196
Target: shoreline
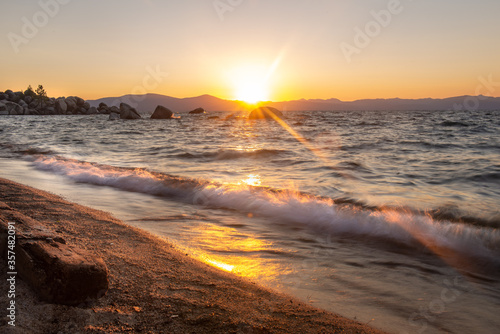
153, 286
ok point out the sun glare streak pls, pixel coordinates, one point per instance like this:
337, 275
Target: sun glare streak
316, 151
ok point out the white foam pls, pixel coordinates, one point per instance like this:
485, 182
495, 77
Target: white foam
319, 214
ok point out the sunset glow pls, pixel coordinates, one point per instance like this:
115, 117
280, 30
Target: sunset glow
250, 84
314, 50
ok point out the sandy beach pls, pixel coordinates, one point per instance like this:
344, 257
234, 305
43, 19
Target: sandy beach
153, 288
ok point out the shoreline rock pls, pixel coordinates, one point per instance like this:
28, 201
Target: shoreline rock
19, 103
59, 273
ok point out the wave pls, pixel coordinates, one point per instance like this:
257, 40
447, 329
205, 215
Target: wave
454, 124
231, 154
454, 241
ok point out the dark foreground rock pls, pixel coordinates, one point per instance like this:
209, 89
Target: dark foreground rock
59, 273
265, 113
197, 111
162, 113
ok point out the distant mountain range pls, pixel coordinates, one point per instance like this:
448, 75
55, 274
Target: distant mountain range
147, 103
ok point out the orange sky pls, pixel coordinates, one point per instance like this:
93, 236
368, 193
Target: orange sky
279, 50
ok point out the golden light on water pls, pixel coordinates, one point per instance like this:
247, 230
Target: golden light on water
252, 180
230, 250
218, 264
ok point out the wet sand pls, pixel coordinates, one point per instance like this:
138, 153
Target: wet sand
154, 287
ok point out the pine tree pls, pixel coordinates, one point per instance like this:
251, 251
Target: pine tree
29, 92
41, 93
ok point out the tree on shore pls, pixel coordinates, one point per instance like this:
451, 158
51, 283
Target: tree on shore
30, 92
41, 93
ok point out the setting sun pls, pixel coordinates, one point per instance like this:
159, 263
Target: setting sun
250, 84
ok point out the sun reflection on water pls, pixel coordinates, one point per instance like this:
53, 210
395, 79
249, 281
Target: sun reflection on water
252, 180
234, 251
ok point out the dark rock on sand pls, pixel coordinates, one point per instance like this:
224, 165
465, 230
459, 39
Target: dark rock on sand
57, 272
162, 113
197, 111
265, 113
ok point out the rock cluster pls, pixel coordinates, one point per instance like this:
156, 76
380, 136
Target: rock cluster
58, 272
17, 103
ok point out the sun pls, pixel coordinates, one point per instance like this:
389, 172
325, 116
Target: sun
250, 84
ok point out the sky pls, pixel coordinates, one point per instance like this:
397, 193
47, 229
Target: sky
252, 49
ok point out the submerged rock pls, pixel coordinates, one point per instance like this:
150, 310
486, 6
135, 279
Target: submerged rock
265, 113
113, 116
197, 111
162, 113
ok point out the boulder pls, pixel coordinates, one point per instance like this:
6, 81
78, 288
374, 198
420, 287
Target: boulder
114, 116
86, 105
28, 99
79, 101
3, 106
61, 107
71, 103
58, 273
50, 111
265, 113
14, 108
114, 109
127, 112
92, 111
103, 108
17, 96
197, 111
3, 96
34, 104
162, 113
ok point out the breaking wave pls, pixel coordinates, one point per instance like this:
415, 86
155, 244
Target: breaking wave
323, 215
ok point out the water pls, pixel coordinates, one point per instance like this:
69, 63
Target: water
390, 218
